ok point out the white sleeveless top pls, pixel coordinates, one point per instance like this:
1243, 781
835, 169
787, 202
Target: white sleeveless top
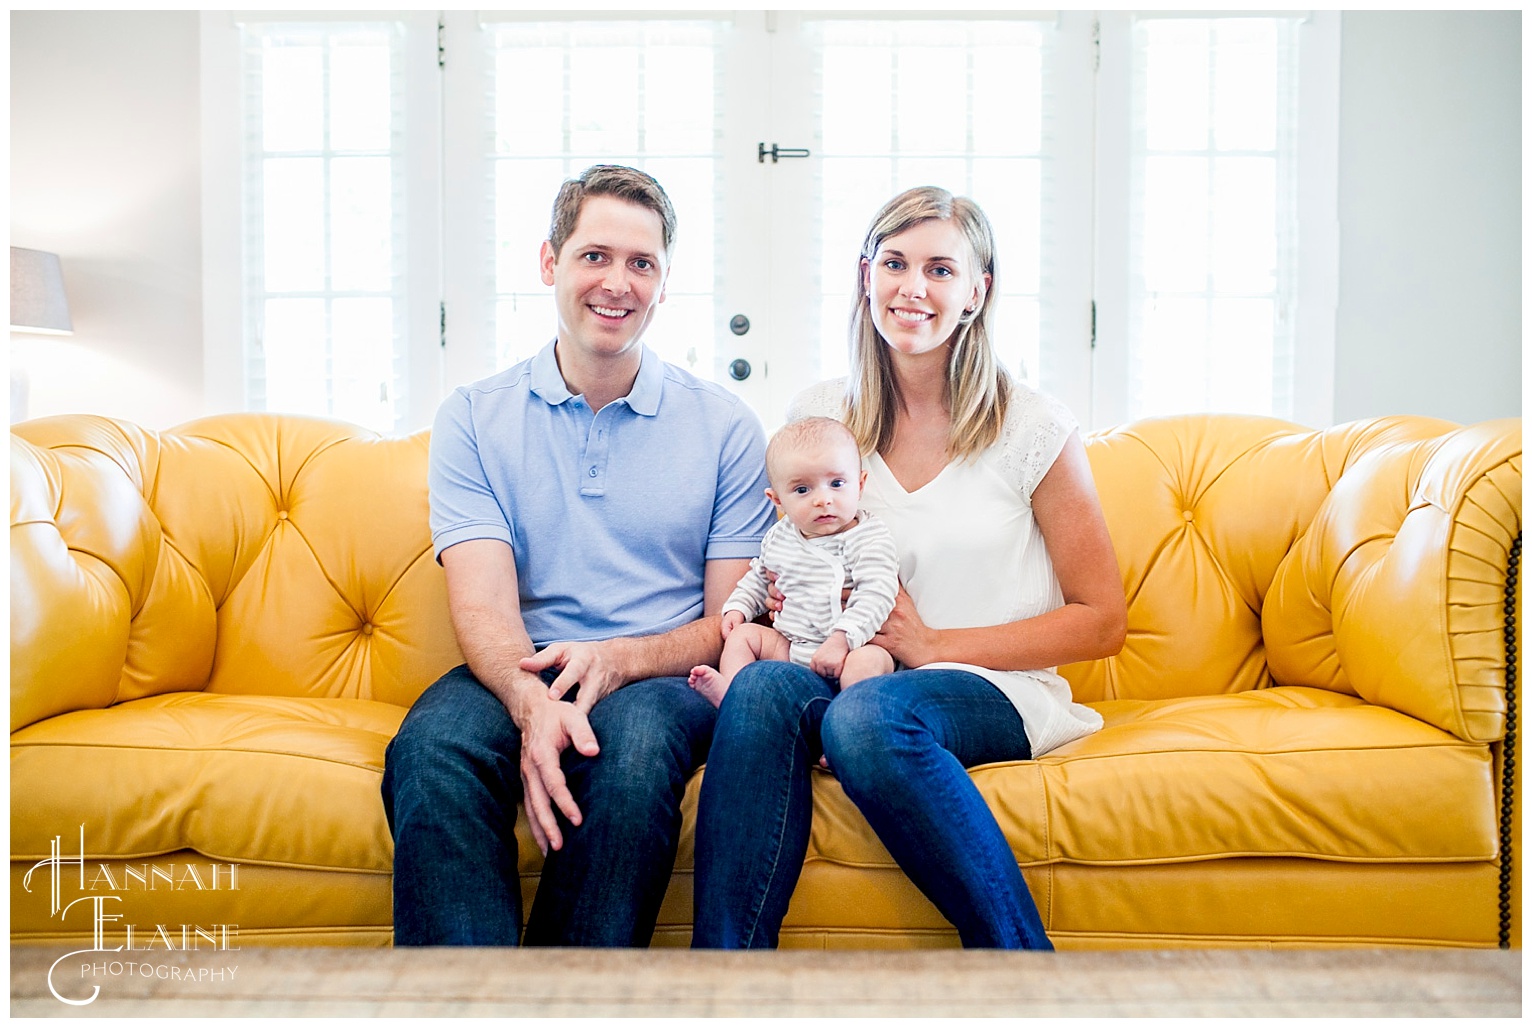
970, 552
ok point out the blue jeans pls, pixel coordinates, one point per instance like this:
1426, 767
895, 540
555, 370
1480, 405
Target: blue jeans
900, 745
451, 785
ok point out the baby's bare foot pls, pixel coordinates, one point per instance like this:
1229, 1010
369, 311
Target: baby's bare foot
709, 683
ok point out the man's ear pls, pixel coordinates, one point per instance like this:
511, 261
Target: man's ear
546, 258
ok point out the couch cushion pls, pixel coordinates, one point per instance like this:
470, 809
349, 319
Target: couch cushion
268, 780
1279, 772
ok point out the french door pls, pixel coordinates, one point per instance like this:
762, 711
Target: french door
778, 135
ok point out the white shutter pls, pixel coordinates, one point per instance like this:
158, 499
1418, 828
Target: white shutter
1213, 215
324, 184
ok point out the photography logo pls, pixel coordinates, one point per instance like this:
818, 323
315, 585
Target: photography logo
100, 898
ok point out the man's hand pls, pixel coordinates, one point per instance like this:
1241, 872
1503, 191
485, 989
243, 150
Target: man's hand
596, 667
551, 727
830, 657
732, 619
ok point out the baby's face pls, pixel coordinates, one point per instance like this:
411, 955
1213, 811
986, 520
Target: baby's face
818, 487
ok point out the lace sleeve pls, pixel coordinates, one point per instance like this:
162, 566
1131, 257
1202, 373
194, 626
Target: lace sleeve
825, 399
1036, 428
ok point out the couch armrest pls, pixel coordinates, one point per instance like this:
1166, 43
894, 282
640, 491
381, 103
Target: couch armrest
1397, 591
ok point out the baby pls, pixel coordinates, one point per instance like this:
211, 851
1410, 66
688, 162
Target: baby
822, 545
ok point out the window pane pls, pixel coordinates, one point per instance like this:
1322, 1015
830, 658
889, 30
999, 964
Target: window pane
361, 333
1177, 89
294, 346
603, 115
854, 125
529, 128
292, 94
293, 200
1175, 253
931, 98
1169, 366
1240, 356
1001, 74
361, 107
1245, 70
1244, 225
360, 221
684, 334
678, 100
1011, 192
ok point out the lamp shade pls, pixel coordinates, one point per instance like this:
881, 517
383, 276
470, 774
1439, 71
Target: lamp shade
38, 303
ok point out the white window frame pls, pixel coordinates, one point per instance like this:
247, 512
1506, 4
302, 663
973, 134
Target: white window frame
223, 213
1313, 382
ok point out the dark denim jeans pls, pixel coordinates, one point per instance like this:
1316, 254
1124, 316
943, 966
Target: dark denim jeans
900, 745
451, 785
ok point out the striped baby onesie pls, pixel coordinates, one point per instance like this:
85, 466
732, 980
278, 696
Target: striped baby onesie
811, 574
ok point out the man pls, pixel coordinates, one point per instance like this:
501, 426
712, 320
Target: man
592, 508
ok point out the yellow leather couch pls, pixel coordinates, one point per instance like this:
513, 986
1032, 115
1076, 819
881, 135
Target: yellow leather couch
216, 629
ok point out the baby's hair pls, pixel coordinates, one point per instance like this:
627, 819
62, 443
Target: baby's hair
801, 433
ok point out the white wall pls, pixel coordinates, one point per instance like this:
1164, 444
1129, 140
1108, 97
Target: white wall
1429, 315
105, 172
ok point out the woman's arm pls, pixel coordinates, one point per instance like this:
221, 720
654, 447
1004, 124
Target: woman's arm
1093, 620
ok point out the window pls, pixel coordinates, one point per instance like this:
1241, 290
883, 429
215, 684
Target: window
324, 188
1213, 228
1149, 177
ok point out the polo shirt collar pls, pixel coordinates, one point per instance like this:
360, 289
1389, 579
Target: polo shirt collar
643, 398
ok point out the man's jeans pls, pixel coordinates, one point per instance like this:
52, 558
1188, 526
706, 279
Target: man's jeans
451, 784
899, 744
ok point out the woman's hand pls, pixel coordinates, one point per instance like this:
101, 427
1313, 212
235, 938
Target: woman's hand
910, 640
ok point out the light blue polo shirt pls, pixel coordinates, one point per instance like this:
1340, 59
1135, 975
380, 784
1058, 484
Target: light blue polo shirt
611, 514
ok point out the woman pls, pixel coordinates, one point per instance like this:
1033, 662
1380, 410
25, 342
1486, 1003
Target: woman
973, 472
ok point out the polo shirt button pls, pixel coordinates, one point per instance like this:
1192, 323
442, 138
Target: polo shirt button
592, 472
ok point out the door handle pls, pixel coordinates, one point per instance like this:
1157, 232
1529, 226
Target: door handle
761, 153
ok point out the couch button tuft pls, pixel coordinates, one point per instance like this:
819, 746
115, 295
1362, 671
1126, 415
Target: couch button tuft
281, 515
366, 629
1186, 514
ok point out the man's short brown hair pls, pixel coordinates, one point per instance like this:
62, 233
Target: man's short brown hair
628, 184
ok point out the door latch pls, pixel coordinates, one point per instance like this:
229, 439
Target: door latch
761, 153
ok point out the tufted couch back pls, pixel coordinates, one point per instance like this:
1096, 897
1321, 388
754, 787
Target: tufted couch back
245, 553
1256, 553
286, 556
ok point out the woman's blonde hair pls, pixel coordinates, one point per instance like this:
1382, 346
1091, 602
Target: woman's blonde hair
978, 388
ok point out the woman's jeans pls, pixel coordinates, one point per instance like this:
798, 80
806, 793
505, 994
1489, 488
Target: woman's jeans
900, 745
451, 785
